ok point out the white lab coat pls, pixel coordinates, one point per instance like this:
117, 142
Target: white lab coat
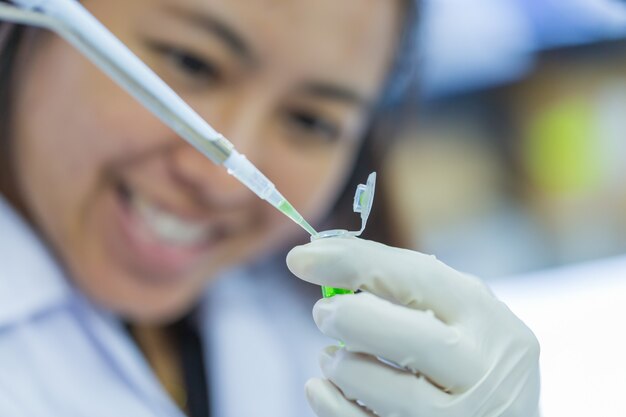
62, 356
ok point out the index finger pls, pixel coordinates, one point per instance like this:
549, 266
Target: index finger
402, 276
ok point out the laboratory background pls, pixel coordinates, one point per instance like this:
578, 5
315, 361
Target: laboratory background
515, 170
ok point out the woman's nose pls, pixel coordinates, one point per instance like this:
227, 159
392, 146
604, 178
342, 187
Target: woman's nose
210, 181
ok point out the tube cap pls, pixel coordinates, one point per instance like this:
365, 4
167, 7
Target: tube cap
363, 201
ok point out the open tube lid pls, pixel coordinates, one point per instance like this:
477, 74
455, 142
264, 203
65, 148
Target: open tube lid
363, 201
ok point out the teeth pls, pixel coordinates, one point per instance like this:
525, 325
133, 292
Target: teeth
169, 227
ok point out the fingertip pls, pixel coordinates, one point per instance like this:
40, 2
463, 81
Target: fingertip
314, 262
310, 387
326, 400
303, 261
295, 259
322, 310
317, 395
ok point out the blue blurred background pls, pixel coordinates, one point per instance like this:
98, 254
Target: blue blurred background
515, 170
517, 160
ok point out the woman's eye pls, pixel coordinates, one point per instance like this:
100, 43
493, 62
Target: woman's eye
308, 124
189, 64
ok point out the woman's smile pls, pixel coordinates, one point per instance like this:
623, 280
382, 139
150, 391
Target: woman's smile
165, 240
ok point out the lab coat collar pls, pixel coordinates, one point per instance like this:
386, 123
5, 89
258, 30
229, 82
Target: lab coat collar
32, 284
31, 280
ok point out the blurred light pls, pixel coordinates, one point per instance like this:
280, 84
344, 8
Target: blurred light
567, 22
472, 44
478, 44
561, 150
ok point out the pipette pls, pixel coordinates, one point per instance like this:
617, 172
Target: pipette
77, 26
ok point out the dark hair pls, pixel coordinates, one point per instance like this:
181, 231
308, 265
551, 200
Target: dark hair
387, 118
395, 108
10, 39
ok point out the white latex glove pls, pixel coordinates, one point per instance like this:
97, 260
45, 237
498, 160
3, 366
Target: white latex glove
463, 353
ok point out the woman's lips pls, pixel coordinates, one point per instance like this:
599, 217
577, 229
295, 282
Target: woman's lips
160, 240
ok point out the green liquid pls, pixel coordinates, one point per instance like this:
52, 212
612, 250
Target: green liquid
286, 208
293, 214
328, 292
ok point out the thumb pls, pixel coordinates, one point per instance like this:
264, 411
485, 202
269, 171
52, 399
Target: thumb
402, 276
325, 262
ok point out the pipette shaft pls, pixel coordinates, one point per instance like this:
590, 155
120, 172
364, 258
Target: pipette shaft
76, 25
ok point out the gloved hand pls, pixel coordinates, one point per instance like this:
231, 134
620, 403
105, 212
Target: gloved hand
458, 351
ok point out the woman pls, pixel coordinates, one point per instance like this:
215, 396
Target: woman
112, 229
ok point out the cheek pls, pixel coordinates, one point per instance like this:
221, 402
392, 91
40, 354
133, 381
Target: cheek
72, 125
70, 122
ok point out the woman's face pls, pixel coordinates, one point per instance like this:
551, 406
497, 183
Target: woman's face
140, 219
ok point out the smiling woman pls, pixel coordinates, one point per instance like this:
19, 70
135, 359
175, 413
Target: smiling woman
134, 204
118, 230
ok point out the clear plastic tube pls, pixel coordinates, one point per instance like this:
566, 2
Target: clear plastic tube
363, 201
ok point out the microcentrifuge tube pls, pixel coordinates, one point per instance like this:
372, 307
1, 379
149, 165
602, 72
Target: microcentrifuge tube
363, 200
